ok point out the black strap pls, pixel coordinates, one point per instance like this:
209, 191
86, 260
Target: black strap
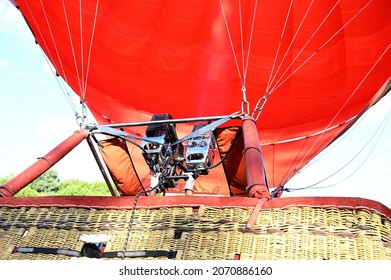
45, 250
138, 254
209, 127
115, 254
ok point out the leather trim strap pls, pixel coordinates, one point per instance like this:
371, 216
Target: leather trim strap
254, 214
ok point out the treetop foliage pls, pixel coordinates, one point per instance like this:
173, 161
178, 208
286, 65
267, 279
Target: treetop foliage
49, 184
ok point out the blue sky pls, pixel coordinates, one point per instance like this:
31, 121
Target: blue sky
35, 116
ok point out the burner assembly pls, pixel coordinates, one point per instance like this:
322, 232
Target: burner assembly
169, 159
158, 140
200, 152
161, 154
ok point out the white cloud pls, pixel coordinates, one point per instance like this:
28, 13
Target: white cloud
41, 82
380, 164
20, 73
5, 108
47, 67
4, 64
61, 127
9, 15
12, 22
377, 113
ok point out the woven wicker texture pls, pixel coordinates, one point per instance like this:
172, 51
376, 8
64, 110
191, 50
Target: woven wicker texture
300, 233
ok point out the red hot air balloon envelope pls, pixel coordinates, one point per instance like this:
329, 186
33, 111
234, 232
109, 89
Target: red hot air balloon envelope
303, 70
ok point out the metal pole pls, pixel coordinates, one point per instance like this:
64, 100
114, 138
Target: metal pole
101, 167
169, 121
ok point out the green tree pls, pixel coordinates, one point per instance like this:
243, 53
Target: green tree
50, 184
6, 179
28, 191
78, 187
100, 188
46, 183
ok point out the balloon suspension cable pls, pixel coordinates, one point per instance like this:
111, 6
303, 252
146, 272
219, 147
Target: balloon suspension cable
50, 57
245, 107
344, 104
245, 103
87, 70
379, 131
285, 76
83, 118
277, 191
259, 107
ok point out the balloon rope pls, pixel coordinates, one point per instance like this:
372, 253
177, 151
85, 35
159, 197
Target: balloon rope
230, 40
81, 53
85, 79
278, 83
53, 40
80, 74
242, 76
90, 48
40, 33
335, 143
290, 45
251, 39
52, 37
245, 103
278, 48
241, 41
63, 89
259, 108
383, 125
72, 47
291, 169
48, 57
346, 102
